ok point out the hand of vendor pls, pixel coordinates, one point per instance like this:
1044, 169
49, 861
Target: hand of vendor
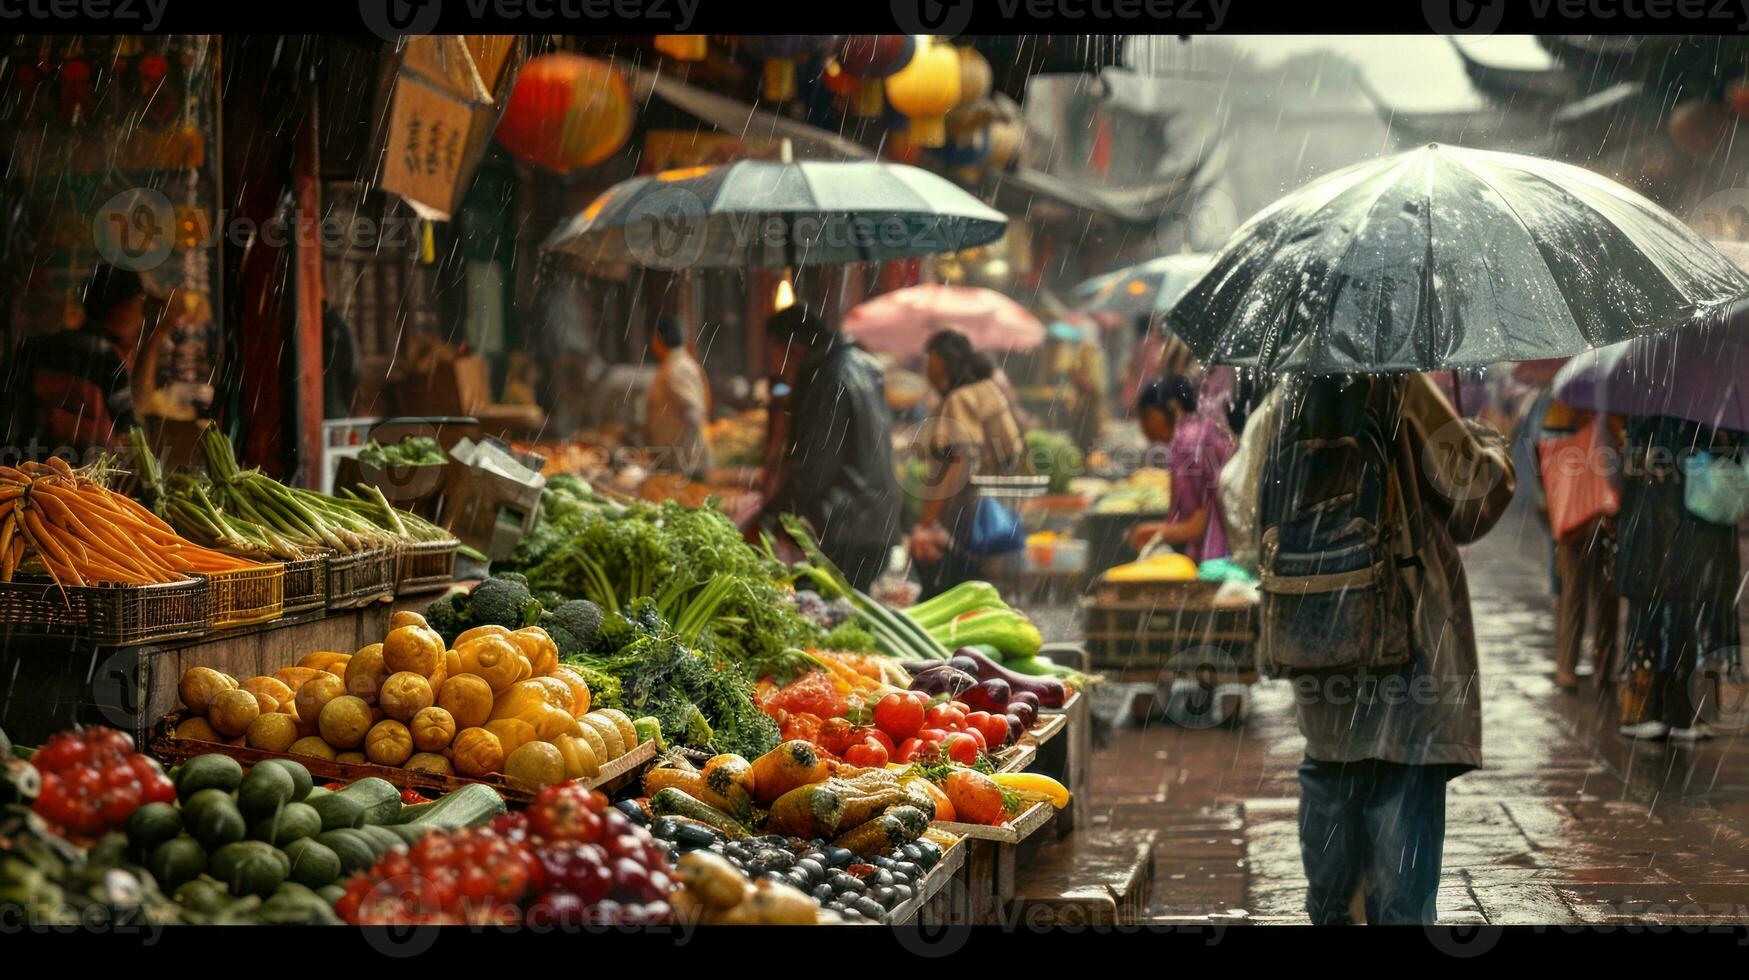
1144, 533
928, 543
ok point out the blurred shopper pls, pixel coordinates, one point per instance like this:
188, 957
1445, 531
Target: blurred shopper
835, 469
678, 404
80, 396
1576, 450
1677, 565
973, 434
1197, 447
1370, 486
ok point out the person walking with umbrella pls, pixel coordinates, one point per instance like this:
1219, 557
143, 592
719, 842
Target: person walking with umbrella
678, 403
835, 468
1438, 259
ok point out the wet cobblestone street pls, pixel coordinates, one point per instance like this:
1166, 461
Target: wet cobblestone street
1567, 823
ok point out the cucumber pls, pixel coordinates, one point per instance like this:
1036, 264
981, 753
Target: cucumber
336, 811
383, 839
207, 772
474, 805
408, 832
378, 798
677, 802
352, 847
313, 863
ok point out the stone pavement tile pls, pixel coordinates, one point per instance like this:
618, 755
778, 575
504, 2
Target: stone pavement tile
1521, 904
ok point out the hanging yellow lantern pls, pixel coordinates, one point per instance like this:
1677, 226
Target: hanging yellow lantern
682, 47
925, 91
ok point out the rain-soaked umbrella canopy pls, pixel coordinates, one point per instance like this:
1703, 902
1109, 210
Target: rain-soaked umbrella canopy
1144, 289
1443, 258
761, 213
1701, 375
901, 321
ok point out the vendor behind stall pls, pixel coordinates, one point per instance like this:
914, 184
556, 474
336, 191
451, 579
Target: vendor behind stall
1197, 447
679, 403
836, 466
78, 395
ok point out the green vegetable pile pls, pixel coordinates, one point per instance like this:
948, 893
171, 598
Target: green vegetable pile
502, 600
700, 698
410, 451
717, 592
1056, 456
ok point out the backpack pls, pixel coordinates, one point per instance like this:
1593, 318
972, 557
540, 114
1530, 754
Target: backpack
1331, 595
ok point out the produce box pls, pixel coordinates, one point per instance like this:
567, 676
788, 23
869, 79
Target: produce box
107, 615
1164, 628
247, 596
361, 578
416, 489
425, 567
1018, 828
306, 585
489, 509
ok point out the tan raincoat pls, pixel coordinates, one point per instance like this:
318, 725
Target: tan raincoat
1456, 478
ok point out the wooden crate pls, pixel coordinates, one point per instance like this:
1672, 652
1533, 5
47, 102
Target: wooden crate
1170, 627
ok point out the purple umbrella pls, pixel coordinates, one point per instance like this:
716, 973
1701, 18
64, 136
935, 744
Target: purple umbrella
1701, 375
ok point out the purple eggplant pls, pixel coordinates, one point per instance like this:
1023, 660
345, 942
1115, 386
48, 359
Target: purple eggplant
966, 664
942, 679
1023, 710
1029, 698
1048, 689
991, 695
1016, 728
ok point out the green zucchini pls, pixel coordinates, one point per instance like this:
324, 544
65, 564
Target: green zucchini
379, 799
679, 803
474, 805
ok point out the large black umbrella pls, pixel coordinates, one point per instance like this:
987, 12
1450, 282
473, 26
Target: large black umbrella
760, 213
1444, 258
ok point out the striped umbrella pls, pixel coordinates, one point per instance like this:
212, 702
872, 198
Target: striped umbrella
1444, 258
760, 213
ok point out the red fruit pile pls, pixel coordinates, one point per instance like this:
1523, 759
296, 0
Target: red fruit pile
569, 860
92, 780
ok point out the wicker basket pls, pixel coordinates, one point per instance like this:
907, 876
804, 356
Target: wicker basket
306, 585
108, 615
426, 567
361, 578
247, 596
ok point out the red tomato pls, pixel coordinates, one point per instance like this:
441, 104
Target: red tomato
932, 735
158, 789
995, 729
879, 736
908, 749
63, 750
961, 748
945, 717
972, 733
870, 754
900, 715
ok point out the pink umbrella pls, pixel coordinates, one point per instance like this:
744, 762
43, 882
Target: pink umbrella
901, 321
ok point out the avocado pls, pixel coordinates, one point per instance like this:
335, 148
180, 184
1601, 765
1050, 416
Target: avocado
207, 772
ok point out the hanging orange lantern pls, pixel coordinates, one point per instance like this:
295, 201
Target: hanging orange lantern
566, 112
1698, 126
781, 53
682, 47
1737, 93
926, 90
975, 77
838, 81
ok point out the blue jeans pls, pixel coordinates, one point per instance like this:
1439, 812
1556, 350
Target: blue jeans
1381, 819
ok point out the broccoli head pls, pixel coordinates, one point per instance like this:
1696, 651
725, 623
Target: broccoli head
503, 601
447, 614
573, 625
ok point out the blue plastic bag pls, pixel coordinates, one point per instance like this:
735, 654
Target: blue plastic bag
995, 530
1716, 489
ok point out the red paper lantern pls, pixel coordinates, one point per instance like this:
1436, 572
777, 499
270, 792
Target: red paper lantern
566, 112
1737, 93
869, 58
1698, 126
